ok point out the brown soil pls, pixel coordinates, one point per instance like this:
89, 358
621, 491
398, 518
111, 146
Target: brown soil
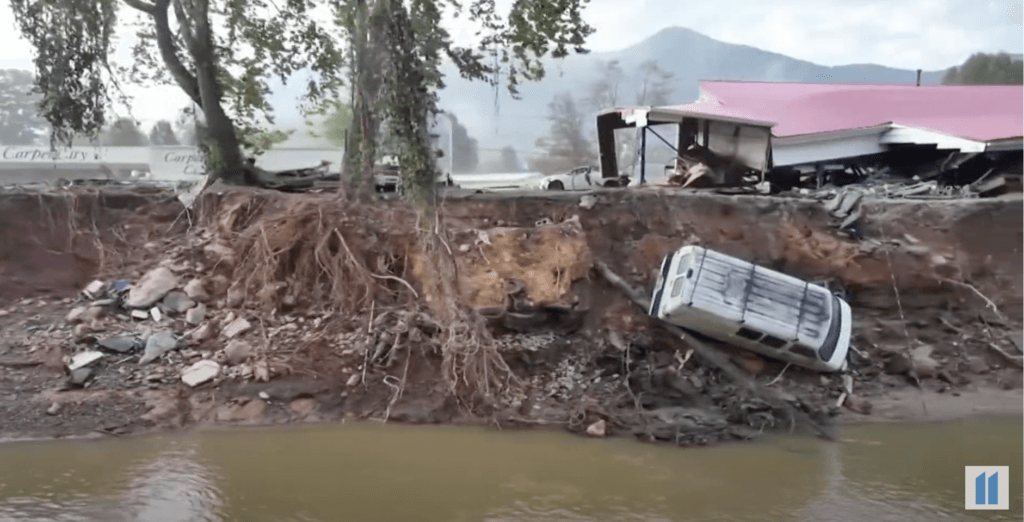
338, 333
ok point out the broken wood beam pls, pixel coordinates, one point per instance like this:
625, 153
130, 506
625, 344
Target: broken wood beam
718, 359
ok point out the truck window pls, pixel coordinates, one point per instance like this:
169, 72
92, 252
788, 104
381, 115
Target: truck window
747, 333
774, 342
677, 286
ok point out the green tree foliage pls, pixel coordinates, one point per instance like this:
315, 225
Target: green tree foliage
511, 48
986, 69
124, 133
221, 53
509, 160
566, 146
162, 133
335, 125
20, 123
465, 148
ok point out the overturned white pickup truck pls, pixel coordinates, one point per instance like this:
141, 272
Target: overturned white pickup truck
752, 307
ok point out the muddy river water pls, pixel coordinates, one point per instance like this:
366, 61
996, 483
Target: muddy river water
371, 472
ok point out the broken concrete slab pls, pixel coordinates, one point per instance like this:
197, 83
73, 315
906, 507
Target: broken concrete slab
94, 290
237, 352
151, 288
158, 344
81, 360
236, 328
140, 314
196, 314
201, 372
178, 302
195, 290
80, 376
120, 343
76, 315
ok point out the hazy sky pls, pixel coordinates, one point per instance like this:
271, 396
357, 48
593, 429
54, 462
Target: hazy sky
909, 34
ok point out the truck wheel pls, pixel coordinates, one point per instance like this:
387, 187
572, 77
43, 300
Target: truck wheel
556, 185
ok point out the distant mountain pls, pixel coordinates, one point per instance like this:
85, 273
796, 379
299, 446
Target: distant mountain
688, 54
691, 56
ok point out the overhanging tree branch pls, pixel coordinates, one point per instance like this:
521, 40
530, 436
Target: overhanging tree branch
169, 51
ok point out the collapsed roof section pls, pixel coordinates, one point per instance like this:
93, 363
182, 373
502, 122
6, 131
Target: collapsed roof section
764, 125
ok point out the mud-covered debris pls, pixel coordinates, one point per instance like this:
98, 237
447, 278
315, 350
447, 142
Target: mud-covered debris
222, 255
94, 290
76, 315
236, 295
237, 351
195, 290
158, 344
858, 404
236, 328
597, 429
79, 377
177, 302
54, 409
897, 364
120, 343
588, 202
202, 333
201, 372
151, 288
977, 364
196, 314
81, 360
924, 365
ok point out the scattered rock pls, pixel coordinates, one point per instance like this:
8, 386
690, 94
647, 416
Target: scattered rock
302, 406
94, 289
597, 429
80, 376
977, 364
53, 409
151, 288
924, 366
264, 395
221, 254
237, 352
353, 380
858, 404
195, 291
140, 314
119, 344
236, 295
588, 202
217, 285
84, 359
201, 372
202, 333
897, 364
156, 313
178, 302
196, 314
250, 411
236, 328
76, 315
158, 344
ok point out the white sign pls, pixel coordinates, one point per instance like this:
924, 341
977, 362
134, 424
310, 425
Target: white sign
29, 154
176, 163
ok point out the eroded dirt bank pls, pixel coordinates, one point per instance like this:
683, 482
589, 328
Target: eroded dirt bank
308, 319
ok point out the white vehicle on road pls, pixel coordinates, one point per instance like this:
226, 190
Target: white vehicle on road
752, 307
581, 178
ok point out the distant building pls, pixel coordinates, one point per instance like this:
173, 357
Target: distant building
770, 125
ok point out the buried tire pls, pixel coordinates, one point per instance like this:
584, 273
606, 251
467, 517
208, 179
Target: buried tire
556, 185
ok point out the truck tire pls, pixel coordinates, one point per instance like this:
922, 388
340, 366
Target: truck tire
556, 185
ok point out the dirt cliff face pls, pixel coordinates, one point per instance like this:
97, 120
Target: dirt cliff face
337, 324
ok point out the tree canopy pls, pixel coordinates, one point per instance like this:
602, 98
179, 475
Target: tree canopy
224, 53
986, 69
567, 145
124, 132
20, 123
162, 133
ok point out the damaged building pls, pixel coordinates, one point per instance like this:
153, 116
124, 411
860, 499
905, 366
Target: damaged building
783, 136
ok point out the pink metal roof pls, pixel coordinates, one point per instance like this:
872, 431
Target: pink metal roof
981, 113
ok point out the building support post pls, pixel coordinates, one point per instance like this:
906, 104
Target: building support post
643, 155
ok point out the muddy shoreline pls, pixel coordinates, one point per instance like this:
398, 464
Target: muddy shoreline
941, 256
